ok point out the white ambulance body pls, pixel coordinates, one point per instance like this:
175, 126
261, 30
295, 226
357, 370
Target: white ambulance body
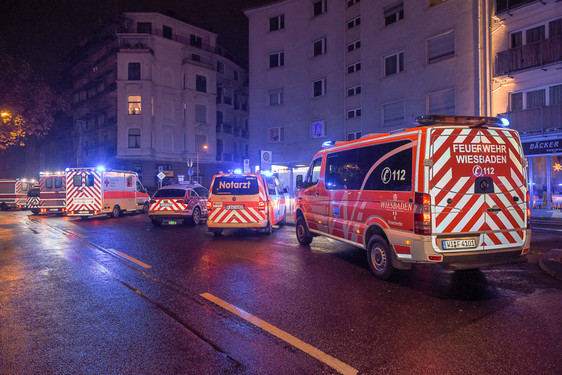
96, 191
13, 193
52, 192
451, 191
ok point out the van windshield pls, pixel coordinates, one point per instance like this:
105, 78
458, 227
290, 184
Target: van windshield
236, 185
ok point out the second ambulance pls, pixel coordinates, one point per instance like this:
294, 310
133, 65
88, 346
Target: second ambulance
451, 190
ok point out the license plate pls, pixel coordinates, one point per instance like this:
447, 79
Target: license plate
234, 206
459, 244
165, 204
83, 212
172, 222
53, 209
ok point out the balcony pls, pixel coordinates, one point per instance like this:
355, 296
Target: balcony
529, 56
536, 120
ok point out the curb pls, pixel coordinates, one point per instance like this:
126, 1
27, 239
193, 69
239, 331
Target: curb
551, 263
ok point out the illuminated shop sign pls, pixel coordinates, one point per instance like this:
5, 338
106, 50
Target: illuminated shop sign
550, 146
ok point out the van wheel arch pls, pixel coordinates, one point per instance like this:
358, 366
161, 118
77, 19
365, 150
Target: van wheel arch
377, 230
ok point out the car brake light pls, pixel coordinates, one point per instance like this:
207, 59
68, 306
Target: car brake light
422, 214
209, 206
261, 205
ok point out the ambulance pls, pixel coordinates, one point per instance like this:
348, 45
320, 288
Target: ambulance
245, 201
96, 191
32, 203
452, 190
13, 193
52, 192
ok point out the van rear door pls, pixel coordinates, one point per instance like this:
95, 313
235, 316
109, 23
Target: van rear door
478, 188
236, 200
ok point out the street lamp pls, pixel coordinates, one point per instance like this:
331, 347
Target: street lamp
204, 147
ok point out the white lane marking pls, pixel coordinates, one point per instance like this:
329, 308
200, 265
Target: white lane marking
334, 363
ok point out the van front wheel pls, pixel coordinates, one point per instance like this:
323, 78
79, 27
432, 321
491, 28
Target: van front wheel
379, 257
303, 234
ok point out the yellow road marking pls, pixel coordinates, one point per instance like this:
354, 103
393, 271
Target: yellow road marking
142, 264
334, 363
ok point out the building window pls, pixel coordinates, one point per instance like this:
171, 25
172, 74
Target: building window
276, 97
220, 67
351, 136
201, 113
196, 41
393, 13
535, 34
319, 47
134, 138
353, 68
134, 70
441, 47
167, 32
200, 83
144, 28
354, 22
134, 105
354, 45
320, 7
276, 59
536, 98
393, 114
196, 57
277, 23
352, 2
319, 87
356, 90
352, 113
318, 129
394, 64
441, 103
276, 134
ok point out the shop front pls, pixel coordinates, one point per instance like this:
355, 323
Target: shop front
544, 167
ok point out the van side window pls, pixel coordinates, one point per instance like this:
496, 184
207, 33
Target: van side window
313, 173
377, 167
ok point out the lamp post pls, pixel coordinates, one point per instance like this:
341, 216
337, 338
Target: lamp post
204, 147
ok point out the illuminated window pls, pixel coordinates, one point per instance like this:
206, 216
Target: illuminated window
394, 64
134, 105
134, 138
318, 129
276, 134
441, 47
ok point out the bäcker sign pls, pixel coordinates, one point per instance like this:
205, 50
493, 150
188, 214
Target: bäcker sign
550, 146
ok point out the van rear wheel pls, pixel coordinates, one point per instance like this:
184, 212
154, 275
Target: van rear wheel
379, 257
196, 216
303, 234
116, 211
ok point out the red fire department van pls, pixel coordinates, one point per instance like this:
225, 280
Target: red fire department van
96, 191
52, 192
13, 193
245, 201
451, 190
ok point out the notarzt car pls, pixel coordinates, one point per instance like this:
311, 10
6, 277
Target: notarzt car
187, 202
452, 190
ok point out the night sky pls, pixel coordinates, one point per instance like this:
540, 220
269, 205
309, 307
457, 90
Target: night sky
43, 32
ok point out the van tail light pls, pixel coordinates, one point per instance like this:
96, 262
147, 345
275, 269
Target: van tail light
209, 206
422, 214
528, 209
261, 206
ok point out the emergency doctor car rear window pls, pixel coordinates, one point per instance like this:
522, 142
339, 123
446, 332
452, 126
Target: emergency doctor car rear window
236, 185
170, 193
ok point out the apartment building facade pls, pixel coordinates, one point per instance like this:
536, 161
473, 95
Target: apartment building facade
327, 70
527, 89
149, 96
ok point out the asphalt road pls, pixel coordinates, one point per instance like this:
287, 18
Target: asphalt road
121, 296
